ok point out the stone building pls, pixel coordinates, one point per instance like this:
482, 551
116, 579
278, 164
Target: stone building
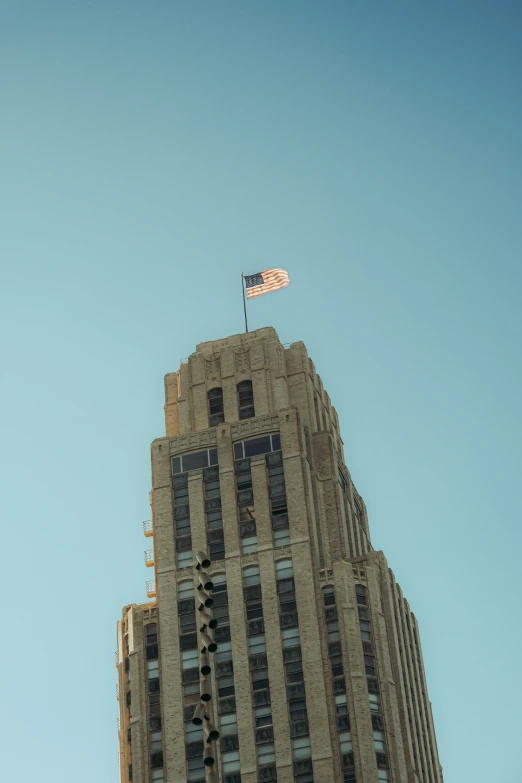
318, 673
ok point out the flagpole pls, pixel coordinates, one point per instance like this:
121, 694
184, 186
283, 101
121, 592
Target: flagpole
244, 300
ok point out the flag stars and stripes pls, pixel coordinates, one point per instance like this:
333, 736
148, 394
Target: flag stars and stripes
265, 282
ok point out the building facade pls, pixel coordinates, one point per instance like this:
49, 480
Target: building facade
318, 672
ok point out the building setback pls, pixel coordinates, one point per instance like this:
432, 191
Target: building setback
318, 673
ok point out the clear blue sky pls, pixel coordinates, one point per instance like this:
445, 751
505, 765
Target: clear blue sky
150, 152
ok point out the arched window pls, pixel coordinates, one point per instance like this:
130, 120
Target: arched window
185, 590
151, 633
251, 576
284, 569
215, 407
245, 396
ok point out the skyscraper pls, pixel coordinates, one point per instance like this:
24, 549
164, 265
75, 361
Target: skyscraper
318, 672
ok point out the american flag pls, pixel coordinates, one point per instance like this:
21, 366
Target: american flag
266, 281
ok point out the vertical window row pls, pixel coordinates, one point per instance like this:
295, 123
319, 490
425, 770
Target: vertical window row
216, 413
277, 495
245, 504
215, 538
361, 594
154, 704
295, 687
225, 685
182, 520
245, 398
258, 665
338, 684
188, 642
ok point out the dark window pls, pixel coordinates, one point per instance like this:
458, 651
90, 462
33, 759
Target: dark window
244, 481
225, 686
253, 446
187, 623
328, 596
337, 666
215, 407
279, 505
254, 609
298, 710
195, 460
246, 400
181, 496
214, 520
294, 672
151, 633
259, 680
217, 550
183, 527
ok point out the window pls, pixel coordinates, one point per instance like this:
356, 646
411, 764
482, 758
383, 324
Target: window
193, 733
194, 461
214, 519
254, 609
245, 396
215, 407
253, 446
360, 593
152, 669
328, 596
155, 741
191, 689
157, 776
182, 527
369, 664
249, 544
284, 569
151, 633
298, 710
260, 680
185, 590
301, 747
184, 559
382, 774
345, 741
251, 576
287, 603
294, 672
365, 630
225, 686
228, 724
257, 644
337, 666
282, 537
196, 768
189, 659
266, 754
263, 716
378, 740
332, 630
374, 701
247, 513
290, 637
217, 550
224, 651
212, 489
244, 480
341, 707
187, 623
230, 761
